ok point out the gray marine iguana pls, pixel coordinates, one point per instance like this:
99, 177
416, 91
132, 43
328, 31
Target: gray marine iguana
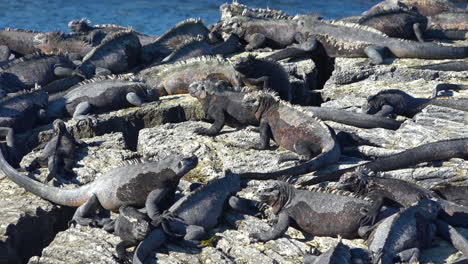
402, 193
318, 211
222, 105
134, 183
73, 45
448, 25
396, 102
351, 40
176, 78
100, 95
434, 151
37, 68
194, 214
118, 52
236, 9
20, 41
424, 7
294, 129
59, 153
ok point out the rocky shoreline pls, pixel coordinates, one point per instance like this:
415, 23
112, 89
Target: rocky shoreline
33, 230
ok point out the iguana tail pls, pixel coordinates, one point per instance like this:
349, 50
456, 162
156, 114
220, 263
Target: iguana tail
73, 197
459, 104
435, 151
329, 155
426, 50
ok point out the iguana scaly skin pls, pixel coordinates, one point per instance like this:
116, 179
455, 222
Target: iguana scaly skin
318, 211
57, 42
424, 7
294, 129
435, 151
351, 40
196, 213
59, 153
397, 102
236, 9
132, 184
38, 68
176, 78
269, 73
397, 23
20, 41
172, 38
102, 94
118, 52
222, 105
448, 25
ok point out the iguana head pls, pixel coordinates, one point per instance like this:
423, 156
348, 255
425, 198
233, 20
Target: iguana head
307, 21
391, 97
246, 65
79, 26
259, 101
201, 89
59, 126
428, 208
355, 181
179, 164
275, 193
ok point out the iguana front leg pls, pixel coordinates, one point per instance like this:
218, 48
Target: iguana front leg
121, 248
151, 243
264, 81
255, 41
218, 115
265, 135
82, 108
247, 206
386, 110
152, 205
279, 229
418, 32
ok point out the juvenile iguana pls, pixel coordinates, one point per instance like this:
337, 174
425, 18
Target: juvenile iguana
59, 153
396, 102
135, 183
194, 214
294, 129
318, 211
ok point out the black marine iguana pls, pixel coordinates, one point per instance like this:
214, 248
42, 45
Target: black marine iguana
118, 52
397, 102
339, 254
101, 94
318, 211
222, 105
435, 151
194, 214
58, 153
267, 72
351, 40
294, 129
38, 68
448, 25
136, 184
454, 193
20, 41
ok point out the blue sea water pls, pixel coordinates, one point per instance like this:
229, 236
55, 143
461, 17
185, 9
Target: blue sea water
151, 16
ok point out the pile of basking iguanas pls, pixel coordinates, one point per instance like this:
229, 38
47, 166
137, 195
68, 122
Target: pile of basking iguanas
49, 76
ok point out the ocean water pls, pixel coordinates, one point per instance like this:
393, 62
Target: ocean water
152, 16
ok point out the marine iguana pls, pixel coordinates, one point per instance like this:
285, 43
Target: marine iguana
448, 25
317, 211
402, 193
58, 153
396, 102
294, 129
194, 214
175, 78
434, 151
236, 9
200, 46
259, 32
221, 104
131, 184
424, 7
100, 95
20, 41
56, 42
118, 52
267, 72
172, 38
339, 254
38, 68
397, 23
403, 234
350, 40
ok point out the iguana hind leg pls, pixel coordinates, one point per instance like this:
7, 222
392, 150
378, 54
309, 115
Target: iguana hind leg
375, 54
82, 108
134, 99
151, 243
84, 214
